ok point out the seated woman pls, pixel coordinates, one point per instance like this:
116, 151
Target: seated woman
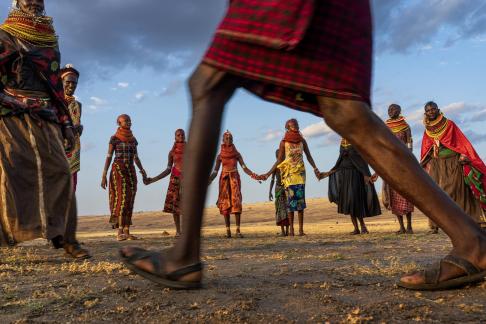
174, 168
351, 187
229, 198
123, 178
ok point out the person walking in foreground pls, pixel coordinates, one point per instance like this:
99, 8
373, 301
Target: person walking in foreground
230, 198
290, 162
174, 168
392, 200
281, 215
314, 56
123, 178
351, 187
37, 199
453, 163
70, 77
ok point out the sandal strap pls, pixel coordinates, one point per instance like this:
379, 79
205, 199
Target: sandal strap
432, 274
177, 274
463, 264
142, 254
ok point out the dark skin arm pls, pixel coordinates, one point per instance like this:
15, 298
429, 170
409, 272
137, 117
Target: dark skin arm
310, 159
216, 169
280, 159
109, 157
270, 194
245, 168
164, 173
139, 166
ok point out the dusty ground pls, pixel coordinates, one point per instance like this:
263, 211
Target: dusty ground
326, 276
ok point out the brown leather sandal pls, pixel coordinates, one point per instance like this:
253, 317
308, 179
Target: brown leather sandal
75, 251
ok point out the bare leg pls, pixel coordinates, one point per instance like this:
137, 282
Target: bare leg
354, 220
227, 222
402, 226
364, 229
177, 222
210, 90
238, 222
398, 167
291, 222
286, 230
301, 222
409, 223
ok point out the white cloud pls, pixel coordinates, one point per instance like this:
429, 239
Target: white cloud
316, 130
271, 135
123, 84
97, 103
140, 96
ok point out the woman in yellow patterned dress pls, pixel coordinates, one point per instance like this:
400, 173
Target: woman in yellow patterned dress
290, 162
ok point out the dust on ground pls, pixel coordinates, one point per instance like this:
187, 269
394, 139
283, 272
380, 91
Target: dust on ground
326, 276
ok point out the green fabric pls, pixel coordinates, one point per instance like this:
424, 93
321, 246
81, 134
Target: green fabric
445, 152
474, 179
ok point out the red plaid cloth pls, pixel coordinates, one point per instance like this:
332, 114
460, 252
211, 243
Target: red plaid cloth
399, 205
274, 23
333, 59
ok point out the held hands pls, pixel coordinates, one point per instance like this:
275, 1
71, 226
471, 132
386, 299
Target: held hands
323, 175
317, 173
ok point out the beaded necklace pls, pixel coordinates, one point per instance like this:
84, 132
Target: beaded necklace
34, 30
436, 128
345, 143
397, 125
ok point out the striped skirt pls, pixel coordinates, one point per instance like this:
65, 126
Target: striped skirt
123, 187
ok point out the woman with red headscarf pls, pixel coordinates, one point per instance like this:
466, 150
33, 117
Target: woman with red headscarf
230, 199
290, 163
123, 178
174, 168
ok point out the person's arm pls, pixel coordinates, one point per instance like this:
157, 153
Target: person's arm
216, 169
245, 168
79, 128
109, 157
409, 139
138, 163
323, 175
310, 159
272, 182
164, 173
280, 159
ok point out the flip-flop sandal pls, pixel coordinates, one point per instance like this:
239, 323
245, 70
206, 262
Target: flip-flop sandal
472, 275
75, 251
121, 237
169, 280
131, 237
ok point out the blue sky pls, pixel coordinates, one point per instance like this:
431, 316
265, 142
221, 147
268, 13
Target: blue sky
134, 57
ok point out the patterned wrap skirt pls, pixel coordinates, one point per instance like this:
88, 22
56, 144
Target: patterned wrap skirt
36, 191
229, 198
281, 216
295, 197
394, 202
123, 188
329, 53
173, 198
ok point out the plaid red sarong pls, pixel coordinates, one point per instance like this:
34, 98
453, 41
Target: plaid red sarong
399, 205
333, 59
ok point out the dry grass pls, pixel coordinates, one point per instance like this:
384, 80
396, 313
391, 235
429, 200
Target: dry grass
326, 276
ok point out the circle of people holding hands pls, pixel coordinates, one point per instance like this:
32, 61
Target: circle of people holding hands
351, 184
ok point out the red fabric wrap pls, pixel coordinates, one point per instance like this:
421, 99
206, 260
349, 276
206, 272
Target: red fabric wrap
279, 24
333, 59
454, 139
294, 137
229, 151
124, 135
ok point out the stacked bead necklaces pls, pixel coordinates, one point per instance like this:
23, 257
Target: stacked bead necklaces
397, 125
436, 128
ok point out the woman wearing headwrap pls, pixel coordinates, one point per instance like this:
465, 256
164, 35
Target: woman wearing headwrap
229, 198
290, 163
351, 187
123, 178
174, 168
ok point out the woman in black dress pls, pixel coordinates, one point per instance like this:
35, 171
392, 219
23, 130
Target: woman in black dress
351, 187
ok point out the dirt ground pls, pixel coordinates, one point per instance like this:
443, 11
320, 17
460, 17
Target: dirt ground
326, 276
